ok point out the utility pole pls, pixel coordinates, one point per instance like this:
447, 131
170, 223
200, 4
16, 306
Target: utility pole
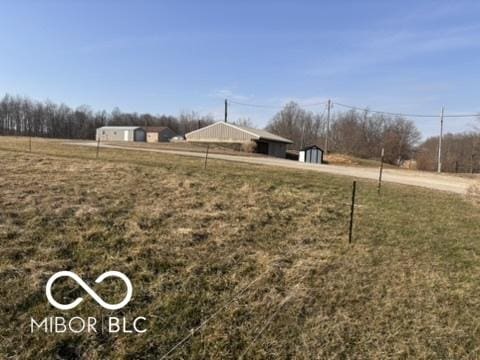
226, 109
439, 168
329, 105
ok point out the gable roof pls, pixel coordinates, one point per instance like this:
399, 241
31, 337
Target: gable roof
311, 147
263, 134
258, 134
157, 128
121, 127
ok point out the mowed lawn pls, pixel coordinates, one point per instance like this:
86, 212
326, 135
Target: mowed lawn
263, 250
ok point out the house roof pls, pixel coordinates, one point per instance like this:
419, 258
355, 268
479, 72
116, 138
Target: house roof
121, 127
258, 134
156, 128
311, 147
263, 134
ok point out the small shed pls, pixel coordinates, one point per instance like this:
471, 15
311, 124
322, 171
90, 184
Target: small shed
120, 133
159, 133
311, 154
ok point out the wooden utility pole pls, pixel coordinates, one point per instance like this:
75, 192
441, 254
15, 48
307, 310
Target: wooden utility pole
352, 210
381, 170
329, 105
226, 109
439, 167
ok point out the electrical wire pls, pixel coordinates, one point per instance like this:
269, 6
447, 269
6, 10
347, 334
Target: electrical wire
273, 106
405, 114
356, 108
253, 105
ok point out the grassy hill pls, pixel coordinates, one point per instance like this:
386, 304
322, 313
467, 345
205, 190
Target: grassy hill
262, 250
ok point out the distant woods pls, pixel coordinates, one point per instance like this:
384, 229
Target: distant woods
21, 116
460, 153
360, 134
354, 133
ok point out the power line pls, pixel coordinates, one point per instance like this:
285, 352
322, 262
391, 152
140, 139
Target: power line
274, 106
404, 114
357, 108
254, 105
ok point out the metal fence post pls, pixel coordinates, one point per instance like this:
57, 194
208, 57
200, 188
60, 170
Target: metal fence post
352, 210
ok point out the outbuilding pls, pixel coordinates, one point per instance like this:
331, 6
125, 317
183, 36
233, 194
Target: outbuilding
311, 154
220, 132
159, 134
120, 133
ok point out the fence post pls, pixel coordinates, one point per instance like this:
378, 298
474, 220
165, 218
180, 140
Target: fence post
98, 147
30, 143
352, 210
206, 156
381, 170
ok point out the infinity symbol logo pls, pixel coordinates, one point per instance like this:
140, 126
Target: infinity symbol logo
89, 290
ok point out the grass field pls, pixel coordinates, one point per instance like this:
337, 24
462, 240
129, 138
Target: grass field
266, 248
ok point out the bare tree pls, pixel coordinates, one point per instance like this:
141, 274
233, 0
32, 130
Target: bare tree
22, 116
294, 123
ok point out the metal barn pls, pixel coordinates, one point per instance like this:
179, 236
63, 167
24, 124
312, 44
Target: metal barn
120, 133
221, 132
311, 154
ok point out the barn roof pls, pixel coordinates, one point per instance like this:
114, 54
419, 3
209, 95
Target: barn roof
263, 134
156, 128
121, 127
258, 134
311, 147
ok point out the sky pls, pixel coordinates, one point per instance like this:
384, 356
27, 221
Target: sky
165, 57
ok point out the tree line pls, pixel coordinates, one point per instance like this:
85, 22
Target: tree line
360, 134
355, 133
460, 153
21, 116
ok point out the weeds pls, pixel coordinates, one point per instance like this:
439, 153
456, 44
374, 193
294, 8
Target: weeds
190, 240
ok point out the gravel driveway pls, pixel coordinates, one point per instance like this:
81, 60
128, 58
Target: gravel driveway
429, 180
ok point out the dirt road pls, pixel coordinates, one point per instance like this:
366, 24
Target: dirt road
434, 181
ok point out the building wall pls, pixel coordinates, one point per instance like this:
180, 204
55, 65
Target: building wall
313, 156
139, 135
301, 156
277, 149
152, 137
220, 133
166, 134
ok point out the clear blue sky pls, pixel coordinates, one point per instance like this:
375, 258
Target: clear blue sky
169, 56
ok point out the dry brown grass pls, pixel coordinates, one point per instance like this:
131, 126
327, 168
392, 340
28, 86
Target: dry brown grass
191, 239
239, 149
347, 160
473, 194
